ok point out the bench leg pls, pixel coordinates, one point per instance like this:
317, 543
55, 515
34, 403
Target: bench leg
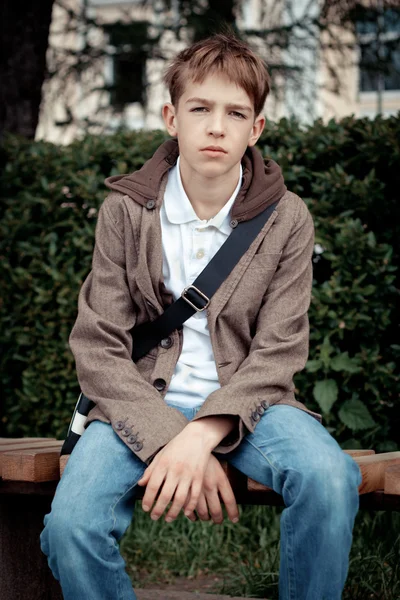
24, 572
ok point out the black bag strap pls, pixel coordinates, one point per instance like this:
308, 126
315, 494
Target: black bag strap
196, 297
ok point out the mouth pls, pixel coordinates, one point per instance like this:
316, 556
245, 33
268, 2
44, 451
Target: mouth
214, 150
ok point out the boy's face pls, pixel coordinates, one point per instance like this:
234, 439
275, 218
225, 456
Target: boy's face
215, 113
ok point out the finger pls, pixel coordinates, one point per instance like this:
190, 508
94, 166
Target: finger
179, 500
191, 516
228, 498
196, 490
214, 506
145, 477
165, 497
202, 508
155, 482
226, 494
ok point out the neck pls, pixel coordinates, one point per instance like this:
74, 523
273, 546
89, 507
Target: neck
208, 195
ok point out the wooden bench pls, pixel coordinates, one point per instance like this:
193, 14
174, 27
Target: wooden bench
30, 469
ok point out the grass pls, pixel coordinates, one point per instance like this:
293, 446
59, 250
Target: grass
246, 555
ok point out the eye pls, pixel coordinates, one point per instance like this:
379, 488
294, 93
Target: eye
198, 109
238, 114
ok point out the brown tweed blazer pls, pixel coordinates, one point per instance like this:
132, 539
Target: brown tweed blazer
257, 319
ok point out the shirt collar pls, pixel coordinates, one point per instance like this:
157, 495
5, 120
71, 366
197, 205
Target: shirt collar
179, 209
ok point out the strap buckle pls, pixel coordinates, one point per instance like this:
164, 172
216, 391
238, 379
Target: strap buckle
192, 287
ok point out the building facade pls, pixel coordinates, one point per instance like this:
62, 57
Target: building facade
106, 59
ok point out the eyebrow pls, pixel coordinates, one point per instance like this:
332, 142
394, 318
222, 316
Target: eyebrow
211, 103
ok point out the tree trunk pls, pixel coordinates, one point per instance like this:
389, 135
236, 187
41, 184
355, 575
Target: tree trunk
24, 32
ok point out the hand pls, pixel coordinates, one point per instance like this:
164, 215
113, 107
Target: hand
178, 469
214, 481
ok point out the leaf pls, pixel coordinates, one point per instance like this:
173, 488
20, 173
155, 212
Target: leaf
387, 446
326, 393
351, 444
342, 362
369, 289
356, 416
371, 239
313, 365
326, 350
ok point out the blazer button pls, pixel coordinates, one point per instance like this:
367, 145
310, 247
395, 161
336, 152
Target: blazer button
166, 342
119, 425
150, 204
160, 384
127, 431
132, 439
255, 416
137, 446
260, 410
265, 404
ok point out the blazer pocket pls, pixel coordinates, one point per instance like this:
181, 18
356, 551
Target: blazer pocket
265, 260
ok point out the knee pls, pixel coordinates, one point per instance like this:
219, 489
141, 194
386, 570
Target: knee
342, 475
57, 532
64, 530
349, 473
332, 483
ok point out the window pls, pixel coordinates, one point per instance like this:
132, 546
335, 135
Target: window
379, 38
130, 44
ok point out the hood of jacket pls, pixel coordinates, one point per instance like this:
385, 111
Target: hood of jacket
262, 183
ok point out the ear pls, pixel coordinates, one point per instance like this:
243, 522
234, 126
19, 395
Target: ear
256, 130
168, 114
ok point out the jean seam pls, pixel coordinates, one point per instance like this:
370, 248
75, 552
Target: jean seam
112, 507
114, 520
291, 578
269, 461
113, 548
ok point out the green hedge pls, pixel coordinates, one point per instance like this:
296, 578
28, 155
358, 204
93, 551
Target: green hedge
347, 173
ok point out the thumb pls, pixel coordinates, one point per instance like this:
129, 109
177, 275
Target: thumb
145, 477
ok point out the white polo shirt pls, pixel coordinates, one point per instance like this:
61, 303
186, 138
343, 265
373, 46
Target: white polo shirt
188, 245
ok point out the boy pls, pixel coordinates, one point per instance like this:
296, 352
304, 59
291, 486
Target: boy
222, 386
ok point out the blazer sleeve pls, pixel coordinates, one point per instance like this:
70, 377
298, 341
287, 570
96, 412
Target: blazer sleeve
101, 343
280, 346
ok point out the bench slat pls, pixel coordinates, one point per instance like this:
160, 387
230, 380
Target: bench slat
7, 441
35, 464
372, 467
32, 445
360, 452
254, 486
45, 464
27, 445
392, 480
373, 470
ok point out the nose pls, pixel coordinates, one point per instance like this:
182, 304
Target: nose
215, 125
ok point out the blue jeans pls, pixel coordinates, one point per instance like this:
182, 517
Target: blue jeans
289, 451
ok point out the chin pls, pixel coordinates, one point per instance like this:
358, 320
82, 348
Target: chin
211, 169
216, 171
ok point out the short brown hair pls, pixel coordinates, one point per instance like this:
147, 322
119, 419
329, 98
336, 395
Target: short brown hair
223, 53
